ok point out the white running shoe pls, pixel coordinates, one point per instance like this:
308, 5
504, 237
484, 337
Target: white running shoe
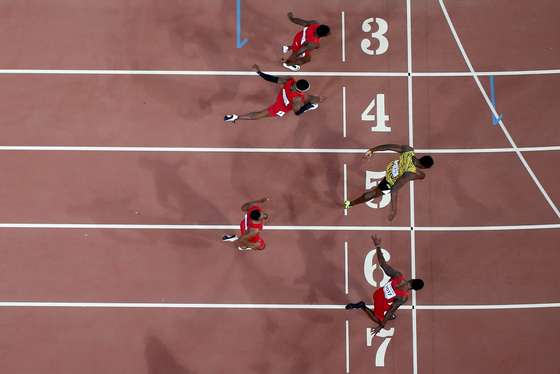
313, 107
231, 117
285, 49
229, 238
291, 67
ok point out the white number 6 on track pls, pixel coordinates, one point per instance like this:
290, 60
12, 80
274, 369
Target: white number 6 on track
382, 27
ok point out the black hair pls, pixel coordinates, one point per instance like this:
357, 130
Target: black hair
323, 30
416, 284
426, 161
302, 85
255, 215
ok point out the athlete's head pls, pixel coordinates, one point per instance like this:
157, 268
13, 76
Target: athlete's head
416, 284
302, 85
323, 30
426, 161
255, 215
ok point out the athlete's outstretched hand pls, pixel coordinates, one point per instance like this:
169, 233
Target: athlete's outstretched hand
368, 154
376, 240
264, 199
376, 330
256, 67
290, 15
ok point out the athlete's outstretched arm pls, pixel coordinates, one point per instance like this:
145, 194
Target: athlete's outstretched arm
248, 204
299, 21
389, 147
384, 265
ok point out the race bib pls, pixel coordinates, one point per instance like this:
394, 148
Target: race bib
395, 169
388, 291
285, 97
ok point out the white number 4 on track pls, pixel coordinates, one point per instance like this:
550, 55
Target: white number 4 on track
380, 117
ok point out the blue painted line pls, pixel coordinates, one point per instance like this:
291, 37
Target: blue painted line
240, 43
495, 120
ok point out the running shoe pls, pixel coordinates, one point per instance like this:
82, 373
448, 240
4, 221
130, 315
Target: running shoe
229, 238
359, 305
291, 67
313, 107
346, 204
231, 117
285, 49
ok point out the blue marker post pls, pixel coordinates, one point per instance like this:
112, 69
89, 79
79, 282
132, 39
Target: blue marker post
495, 120
240, 43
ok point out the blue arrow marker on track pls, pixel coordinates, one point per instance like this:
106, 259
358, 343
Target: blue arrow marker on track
240, 43
495, 120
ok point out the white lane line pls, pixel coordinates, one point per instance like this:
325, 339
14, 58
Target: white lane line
346, 267
343, 36
412, 213
200, 73
347, 347
40, 148
111, 226
486, 73
56, 304
494, 112
344, 111
359, 74
345, 177
488, 307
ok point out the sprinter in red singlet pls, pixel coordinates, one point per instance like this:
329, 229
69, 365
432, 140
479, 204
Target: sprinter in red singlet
387, 299
251, 226
304, 42
291, 97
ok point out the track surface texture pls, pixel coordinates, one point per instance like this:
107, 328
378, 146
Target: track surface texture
119, 178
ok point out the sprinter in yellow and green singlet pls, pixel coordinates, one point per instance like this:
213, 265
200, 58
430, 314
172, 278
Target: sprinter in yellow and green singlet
399, 173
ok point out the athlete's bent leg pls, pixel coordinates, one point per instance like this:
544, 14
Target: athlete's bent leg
254, 115
367, 196
295, 60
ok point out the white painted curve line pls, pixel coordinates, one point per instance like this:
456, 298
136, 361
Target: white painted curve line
347, 347
111, 226
344, 111
494, 112
40, 148
346, 267
359, 74
343, 36
345, 177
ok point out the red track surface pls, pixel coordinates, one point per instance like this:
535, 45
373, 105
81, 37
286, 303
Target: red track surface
213, 310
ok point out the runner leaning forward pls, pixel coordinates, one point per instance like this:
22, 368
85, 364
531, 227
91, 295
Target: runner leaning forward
399, 173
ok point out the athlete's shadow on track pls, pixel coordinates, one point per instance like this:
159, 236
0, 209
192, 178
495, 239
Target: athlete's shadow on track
160, 360
319, 269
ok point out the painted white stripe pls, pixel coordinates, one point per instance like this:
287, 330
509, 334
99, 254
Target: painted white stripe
486, 73
344, 111
347, 347
346, 267
342, 16
56, 148
411, 186
278, 73
494, 112
56, 304
345, 181
488, 307
111, 226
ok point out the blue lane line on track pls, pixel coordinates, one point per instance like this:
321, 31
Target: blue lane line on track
240, 43
495, 120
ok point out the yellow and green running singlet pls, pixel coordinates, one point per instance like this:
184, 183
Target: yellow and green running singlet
397, 168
